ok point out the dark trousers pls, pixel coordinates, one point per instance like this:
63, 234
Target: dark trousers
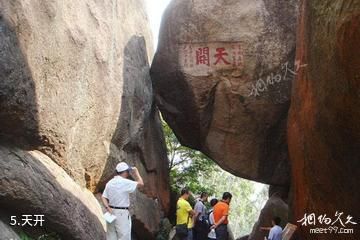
201, 230
189, 236
222, 232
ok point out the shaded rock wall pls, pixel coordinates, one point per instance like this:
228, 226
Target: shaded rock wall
31, 183
222, 76
75, 85
324, 126
7, 232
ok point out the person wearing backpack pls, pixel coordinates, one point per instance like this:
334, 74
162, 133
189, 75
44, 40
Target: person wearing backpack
211, 220
201, 227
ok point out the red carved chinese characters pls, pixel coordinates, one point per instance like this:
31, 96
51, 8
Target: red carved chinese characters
220, 54
188, 52
202, 56
237, 55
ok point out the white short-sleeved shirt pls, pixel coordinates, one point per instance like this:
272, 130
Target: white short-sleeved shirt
275, 233
211, 218
117, 191
212, 234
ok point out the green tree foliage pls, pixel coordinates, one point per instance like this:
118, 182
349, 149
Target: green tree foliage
186, 165
193, 169
247, 202
49, 236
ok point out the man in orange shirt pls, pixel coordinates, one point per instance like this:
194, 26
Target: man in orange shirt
221, 213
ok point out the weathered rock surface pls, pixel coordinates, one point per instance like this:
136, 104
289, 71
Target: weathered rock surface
324, 126
280, 191
222, 75
275, 206
75, 85
31, 183
7, 232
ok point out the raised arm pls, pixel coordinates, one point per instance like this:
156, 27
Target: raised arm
136, 175
265, 228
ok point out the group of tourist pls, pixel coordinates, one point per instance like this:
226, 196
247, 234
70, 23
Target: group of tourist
202, 224
199, 223
191, 224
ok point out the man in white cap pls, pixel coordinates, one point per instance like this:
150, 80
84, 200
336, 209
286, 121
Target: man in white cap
116, 200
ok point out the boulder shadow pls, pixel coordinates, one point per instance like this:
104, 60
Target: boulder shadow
26, 185
138, 138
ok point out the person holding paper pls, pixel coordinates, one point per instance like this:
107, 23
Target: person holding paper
116, 200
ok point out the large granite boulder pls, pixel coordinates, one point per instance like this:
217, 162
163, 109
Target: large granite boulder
324, 126
31, 183
222, 75
75, 85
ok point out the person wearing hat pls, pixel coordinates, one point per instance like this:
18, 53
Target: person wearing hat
116, 200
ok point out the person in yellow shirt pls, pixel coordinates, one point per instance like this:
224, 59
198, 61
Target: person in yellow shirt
184, 213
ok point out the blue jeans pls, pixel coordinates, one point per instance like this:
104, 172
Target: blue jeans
190, 234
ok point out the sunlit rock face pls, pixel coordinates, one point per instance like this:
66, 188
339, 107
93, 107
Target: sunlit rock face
75, 85
324, 126
222, 75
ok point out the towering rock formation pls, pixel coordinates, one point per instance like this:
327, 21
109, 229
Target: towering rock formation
222, 75
324, 126
75, 99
